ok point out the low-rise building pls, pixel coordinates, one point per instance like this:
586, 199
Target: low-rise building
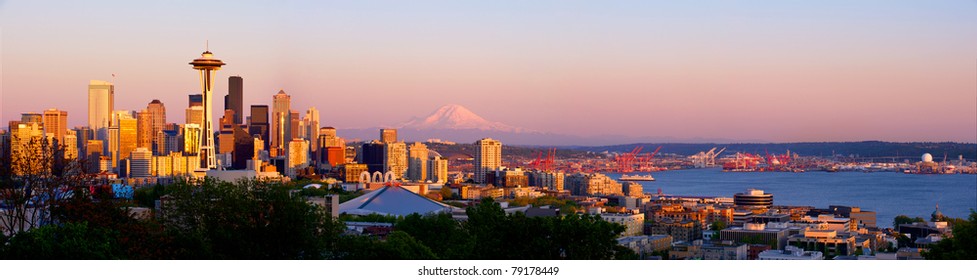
790, 253
646, 245
754, 233
633, 222
724, 251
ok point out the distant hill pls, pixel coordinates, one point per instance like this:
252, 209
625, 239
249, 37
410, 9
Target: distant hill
860, 149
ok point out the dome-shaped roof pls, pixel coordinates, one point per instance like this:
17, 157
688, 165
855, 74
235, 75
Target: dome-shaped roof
927, 157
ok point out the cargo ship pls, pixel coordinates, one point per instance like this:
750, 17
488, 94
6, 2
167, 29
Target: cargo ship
637, 178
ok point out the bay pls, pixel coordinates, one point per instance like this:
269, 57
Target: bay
887, 193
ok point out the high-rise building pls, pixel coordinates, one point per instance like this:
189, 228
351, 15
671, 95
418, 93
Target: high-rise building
437, 169
70, 144
258, 123
292, 130
157, 113
195, 115
207, 64
311, 121
332, 149
225, 139
122, 136
101, 104
140, 162
298, 156
243, 148
488, 157
417, 162
372, 156
395, 159
388, 135
56, 122
328, 138
25, 139
280, 120
235, 97
94, 155
83, 133
31, 118
191, 139
170, 141
144, 129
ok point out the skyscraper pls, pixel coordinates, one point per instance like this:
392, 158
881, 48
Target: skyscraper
395, 159
292, 129
280, 120
157, 113
56, 122
207, 64
417, 162
372, 156
258, 123
225, 138
140, 163
101, 104
235, 97
488, 156
123, 136
312, 128
388, 135
144, 130
297, 156
437, 169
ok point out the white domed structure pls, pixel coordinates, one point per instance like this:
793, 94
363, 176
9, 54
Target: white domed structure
927, 157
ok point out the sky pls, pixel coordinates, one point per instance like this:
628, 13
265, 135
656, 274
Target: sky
779, 71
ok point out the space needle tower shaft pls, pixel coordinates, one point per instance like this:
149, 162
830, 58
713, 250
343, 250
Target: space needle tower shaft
208, 65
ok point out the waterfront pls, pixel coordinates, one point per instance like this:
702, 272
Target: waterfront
888, 193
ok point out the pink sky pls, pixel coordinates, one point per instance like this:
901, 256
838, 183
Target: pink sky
822, 71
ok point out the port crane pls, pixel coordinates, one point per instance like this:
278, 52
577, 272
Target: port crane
644, 162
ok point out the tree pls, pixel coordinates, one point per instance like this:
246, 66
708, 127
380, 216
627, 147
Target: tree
35, 180
247, 220
440, 232
717, 225
961, 246
74, 241
903, 220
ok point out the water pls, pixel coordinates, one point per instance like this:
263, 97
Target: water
889, 194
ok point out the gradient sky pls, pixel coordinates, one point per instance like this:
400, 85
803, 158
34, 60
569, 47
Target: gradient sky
770, 70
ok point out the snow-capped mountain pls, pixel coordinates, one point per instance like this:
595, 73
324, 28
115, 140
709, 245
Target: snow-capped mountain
453, 116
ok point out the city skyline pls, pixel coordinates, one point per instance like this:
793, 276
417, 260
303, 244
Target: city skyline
825, 72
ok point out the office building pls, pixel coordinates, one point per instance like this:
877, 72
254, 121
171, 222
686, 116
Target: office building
297, 156
258, 123
101, 104
753, 198
373, 156
437, 169
388, 135
140, 163
71, 145
755, 233
280, 120
144, 129
417, 162
488, 157
25, 140
234, 100
191, 139
56, 123
157, 113
395, 159
311, 128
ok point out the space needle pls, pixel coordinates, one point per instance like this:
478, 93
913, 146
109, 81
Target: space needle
207, 65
